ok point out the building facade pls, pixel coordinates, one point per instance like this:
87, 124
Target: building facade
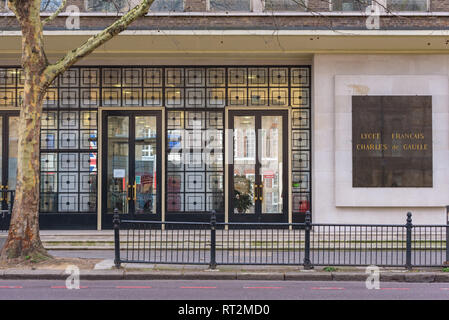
259, 110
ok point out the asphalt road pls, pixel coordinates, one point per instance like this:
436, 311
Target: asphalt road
219, 290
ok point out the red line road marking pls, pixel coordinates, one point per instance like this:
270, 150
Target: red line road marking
133, 287
394, 288
263, 287
327, 288
64, 287
198, 287
11, 287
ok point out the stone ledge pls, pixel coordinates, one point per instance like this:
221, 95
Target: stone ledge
417, 277
420, 277
312, 276
260, 276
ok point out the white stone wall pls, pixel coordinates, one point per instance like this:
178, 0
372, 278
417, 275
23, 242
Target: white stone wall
335, 79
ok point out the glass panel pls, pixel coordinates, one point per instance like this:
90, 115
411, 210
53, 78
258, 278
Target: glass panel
1, 146
271, 164
118, 154
13, 145
49, 181
407, 5
109, 5
285, 5
244, 164
50, 5
230, 5
146, 165
167, 5
350, 5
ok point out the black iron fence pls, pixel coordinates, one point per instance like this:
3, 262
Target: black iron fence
6, 205
307, 244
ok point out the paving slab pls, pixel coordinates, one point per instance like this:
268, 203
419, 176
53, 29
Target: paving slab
107, 264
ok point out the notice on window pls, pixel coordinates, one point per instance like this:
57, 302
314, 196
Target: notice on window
119, 173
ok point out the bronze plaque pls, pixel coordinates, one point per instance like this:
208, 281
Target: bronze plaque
392, 141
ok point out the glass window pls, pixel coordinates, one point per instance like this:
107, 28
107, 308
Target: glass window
50, 5
167, 5
106, 5
230, 5
407, 5
350, 5
285, 5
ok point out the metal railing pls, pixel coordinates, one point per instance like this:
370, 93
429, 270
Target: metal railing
303, 244
6, 206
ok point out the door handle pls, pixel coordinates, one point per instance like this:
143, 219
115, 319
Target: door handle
255, 193
6, 195
129, 188
135, 191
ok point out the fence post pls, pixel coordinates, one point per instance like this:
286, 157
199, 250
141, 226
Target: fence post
308, 226
213, 243
408, 254
116, 224
447, 236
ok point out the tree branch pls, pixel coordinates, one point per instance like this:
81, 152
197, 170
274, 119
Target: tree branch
55, 14
94, 42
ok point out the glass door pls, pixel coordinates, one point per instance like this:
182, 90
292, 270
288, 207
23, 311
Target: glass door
131, 165
9, 125
258, 173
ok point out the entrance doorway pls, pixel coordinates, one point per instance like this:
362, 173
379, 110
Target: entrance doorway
9, 138
131, 168
258, 174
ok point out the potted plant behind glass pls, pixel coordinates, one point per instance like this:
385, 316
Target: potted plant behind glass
242, 201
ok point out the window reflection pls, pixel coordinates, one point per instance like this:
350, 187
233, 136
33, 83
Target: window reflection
230, 5
49, 5
167, 5
407, 5
285, 5
350, 5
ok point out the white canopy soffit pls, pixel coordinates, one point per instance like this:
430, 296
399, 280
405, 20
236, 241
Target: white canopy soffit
289, 43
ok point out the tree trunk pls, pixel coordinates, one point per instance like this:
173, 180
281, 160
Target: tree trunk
23, 241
